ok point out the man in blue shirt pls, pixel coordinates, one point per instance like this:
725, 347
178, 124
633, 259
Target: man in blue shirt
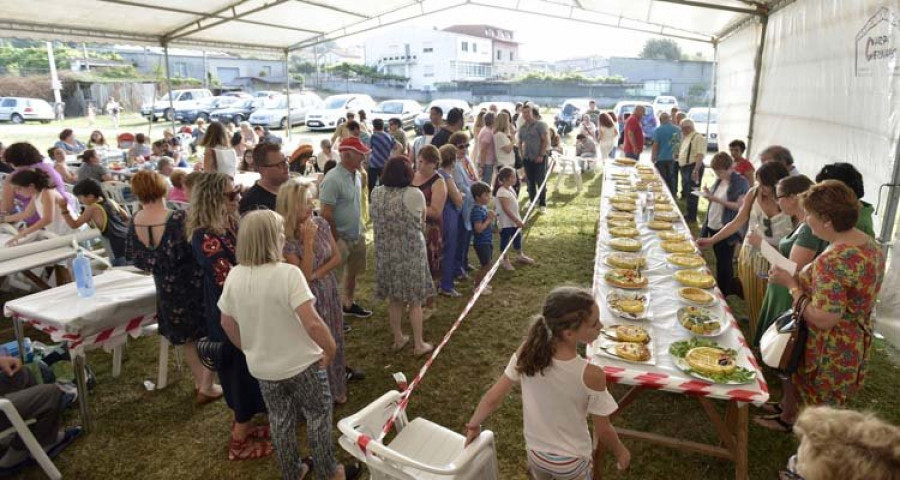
382, 144
666, 140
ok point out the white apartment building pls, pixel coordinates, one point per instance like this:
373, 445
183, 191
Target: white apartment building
428, 57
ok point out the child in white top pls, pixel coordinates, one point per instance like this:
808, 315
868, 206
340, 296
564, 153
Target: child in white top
507, 204
268, 312
559, 389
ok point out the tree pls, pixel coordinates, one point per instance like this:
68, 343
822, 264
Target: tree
661, 49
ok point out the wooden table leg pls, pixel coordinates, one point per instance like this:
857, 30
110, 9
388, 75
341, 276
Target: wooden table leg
741, 437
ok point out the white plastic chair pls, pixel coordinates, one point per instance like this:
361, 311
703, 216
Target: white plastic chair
120, 192
184, 141
20, 427
420, 450
564, 163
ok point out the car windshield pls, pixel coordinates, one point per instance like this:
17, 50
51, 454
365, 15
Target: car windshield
225, 101
702, 117
570, 109
277, 102
334, 103
666, 101
446, 106
389, 107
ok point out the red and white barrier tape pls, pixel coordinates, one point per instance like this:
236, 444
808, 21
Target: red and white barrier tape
400, 378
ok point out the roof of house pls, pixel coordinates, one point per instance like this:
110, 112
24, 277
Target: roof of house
484, 31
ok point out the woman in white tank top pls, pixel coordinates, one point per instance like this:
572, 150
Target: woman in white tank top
36, 184
218, 156
559, 389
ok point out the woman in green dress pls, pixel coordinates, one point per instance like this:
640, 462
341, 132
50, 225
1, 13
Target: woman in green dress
800, 246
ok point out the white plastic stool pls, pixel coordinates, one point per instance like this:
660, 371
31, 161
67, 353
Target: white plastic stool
421, 449
20, 427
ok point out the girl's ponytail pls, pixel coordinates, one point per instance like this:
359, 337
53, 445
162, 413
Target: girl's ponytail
565, 308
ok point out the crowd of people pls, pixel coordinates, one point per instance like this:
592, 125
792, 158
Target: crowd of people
235, 268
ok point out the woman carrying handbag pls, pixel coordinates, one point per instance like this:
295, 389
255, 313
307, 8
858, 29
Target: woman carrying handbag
842, 285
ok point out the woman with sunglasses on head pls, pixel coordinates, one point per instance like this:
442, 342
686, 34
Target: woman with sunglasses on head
212, 229
766, 223
464, 176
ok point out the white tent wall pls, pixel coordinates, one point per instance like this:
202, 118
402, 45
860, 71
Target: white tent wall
829, 91
734, 83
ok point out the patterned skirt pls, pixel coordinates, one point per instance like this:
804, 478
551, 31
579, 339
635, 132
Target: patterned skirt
751, 264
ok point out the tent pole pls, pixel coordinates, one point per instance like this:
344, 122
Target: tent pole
712, 93
287, 88
890, 212
169, 84
757, 65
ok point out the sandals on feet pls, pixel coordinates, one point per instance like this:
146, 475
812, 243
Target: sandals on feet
428, 349
249, 449
779, 425
772, 408
399, 346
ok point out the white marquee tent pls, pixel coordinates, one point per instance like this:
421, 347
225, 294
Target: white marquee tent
819, 76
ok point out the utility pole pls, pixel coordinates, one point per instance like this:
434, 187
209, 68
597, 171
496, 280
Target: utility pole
205, 72
54, 80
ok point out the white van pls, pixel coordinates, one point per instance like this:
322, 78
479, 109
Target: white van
181, 100
273, 113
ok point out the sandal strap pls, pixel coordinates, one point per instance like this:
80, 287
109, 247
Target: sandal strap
247, 449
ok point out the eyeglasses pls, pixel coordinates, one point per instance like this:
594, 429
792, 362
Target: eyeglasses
283, 163
232, 195
464, 145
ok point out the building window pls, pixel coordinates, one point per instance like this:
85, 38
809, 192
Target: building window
428, 71
511, 56
498, 54
268, 70
474, 47
180, 69
465, 46
428, 50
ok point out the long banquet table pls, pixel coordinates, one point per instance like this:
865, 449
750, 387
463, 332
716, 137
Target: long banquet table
664, 329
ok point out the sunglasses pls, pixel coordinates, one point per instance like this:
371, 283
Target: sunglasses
232, 195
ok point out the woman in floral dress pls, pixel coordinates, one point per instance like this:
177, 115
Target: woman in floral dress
401, 263
842, 285
310, 246
157, 244
212, 228
434, 189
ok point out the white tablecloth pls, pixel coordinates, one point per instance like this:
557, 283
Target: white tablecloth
123, 303
663, 325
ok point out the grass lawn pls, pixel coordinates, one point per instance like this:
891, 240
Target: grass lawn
160, 435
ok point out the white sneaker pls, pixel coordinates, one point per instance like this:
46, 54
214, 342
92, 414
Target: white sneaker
508, 266
521, 258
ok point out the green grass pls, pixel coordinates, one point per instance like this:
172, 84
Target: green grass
160, 435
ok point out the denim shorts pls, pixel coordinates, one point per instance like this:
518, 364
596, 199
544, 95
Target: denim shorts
485, 252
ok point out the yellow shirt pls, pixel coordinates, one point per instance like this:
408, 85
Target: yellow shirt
695, 143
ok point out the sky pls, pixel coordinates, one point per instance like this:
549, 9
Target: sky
544, 38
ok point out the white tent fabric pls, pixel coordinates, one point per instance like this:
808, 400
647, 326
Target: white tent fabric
734, 83
279, 25
830, 91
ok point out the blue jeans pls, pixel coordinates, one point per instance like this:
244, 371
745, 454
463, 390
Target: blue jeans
506, 234
463, 242
688, 184
449, 233
633, 156
487, 174
668, 169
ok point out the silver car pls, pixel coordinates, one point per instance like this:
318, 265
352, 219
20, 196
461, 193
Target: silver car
20, 109
273, 113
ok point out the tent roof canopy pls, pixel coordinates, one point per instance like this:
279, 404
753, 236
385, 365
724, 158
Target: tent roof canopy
279, 25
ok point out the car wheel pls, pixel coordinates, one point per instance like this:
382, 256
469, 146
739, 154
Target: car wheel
17, 119
169, 115
45, 122
237, 119
283, 124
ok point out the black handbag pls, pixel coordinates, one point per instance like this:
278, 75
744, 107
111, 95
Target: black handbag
519, 163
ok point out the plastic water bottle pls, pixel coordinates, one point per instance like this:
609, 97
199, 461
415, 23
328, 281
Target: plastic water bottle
84, 279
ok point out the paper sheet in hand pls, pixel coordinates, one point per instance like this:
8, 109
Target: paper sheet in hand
776, 259
699, 193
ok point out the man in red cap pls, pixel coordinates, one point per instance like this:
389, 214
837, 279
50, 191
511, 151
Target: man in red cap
340, 197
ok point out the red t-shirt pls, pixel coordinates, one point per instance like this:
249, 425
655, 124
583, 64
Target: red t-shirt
633, 125
743, 166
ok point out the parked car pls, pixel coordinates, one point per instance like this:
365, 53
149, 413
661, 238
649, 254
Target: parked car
237, 112
266, 94
405, 110
237, 94
181, 100
664, 103
20, 109
509, 106
648, 123
446, 104
335, 108
704, 118
274, 114
569, 116
203, 109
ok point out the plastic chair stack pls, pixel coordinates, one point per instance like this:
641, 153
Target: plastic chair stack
420, 450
